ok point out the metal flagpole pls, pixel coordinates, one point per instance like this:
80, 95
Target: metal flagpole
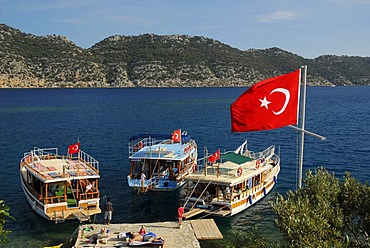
301, 129
303, 113
308, 132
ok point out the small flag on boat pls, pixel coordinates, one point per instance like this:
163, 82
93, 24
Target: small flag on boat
176, 135
75, 148
269, 104
214, 157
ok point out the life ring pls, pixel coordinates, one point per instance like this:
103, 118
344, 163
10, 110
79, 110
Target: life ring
192, 155
258, 163
239, 172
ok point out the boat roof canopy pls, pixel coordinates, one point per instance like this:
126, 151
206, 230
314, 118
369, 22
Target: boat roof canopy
184, 137
235, 158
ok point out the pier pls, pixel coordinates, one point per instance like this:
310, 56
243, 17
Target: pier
187, 236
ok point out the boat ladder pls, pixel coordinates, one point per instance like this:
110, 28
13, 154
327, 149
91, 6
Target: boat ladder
58, 218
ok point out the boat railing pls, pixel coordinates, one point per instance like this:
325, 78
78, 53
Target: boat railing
50, 153
88, 159
53, 199
136, 145
266, 154
81, 196
190, 145
188, 168
88, 195
136, 183
275, 159
38, 153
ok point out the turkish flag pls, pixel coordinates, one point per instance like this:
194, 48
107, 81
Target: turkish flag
269, 104
176, 135
214, 157
74, 148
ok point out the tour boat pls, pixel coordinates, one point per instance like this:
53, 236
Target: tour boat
61, 187
240, 179
160, 162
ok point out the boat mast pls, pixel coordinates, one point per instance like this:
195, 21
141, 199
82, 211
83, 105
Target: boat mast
205, 161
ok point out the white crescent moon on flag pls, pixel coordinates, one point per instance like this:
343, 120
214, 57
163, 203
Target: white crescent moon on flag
75, 147
287, 98
175, 136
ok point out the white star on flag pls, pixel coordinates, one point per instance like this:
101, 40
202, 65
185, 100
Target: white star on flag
264, 103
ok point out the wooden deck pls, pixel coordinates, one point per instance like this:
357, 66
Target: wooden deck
206, 229
187, 236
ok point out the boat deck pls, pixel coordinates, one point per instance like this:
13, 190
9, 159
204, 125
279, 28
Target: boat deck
187, 236
175, 151
59, 168
228, 172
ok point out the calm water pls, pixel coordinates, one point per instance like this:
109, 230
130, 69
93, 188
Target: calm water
104, 119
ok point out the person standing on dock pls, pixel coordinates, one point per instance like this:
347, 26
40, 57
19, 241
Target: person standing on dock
142, 179
180, 213
108, 211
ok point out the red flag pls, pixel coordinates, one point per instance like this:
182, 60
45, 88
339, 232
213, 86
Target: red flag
214, 157
176, 135
269, 104
75, 148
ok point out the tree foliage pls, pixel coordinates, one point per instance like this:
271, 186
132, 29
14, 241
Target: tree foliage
4, 215
325, 212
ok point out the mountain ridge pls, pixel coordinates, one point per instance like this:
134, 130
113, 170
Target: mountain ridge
150, 60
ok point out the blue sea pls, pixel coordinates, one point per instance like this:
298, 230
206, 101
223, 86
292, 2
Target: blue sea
104, 119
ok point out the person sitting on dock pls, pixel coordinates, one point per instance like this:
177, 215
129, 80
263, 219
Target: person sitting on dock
103, 235
142, 238
142, 230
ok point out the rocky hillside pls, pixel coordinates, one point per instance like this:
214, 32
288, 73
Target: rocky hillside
158, 61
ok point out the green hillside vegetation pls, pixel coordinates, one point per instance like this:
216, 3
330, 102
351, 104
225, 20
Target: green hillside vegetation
151, 60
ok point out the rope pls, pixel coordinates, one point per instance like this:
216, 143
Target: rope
199, 196
192, 192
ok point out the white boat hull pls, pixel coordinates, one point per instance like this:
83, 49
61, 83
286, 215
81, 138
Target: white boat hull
238, 182
259, 195
34, 203
60, 188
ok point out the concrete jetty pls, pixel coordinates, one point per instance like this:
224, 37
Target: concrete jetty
187, 236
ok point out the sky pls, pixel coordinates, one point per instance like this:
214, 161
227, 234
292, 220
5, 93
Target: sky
309, 28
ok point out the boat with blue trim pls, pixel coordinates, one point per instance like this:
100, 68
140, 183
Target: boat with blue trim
231, 182
160, 162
